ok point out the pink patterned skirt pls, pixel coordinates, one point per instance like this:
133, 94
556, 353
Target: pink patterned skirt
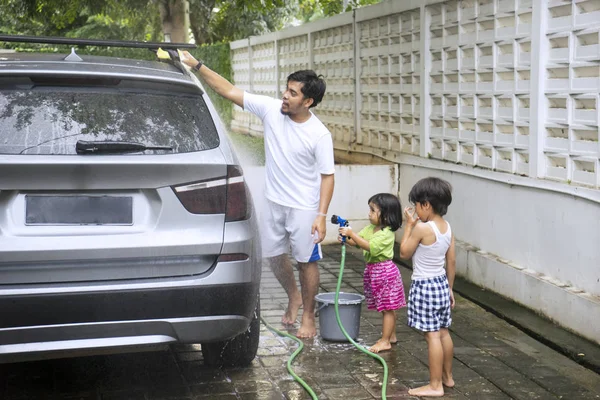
383, 286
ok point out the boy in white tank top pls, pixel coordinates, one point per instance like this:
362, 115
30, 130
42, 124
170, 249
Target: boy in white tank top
429, 241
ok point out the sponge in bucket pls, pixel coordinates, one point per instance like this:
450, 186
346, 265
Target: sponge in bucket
349, 306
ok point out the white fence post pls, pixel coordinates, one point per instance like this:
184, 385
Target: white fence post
357, 90
425, 106
310, 51
250, 68
539, 58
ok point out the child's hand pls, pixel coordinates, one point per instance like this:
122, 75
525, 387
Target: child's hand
346, 231
452, 301
411, 216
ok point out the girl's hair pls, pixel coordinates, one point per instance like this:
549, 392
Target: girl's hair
389, 208
435, 191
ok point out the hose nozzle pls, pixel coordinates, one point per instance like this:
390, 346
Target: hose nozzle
336, 219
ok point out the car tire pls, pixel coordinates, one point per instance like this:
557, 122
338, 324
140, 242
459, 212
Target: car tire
236, 352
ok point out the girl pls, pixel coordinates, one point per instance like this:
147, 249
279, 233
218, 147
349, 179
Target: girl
382, 281
430, 243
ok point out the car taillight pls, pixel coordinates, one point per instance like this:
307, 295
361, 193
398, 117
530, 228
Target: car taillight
226, 195
237, 197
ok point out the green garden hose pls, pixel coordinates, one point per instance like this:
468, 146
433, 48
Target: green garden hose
358, 346
294, 354
339, 321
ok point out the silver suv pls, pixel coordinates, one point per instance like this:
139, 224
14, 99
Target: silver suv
125, 220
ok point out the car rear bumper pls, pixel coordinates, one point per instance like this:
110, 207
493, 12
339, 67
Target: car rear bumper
40, 342
127, 305
36, 326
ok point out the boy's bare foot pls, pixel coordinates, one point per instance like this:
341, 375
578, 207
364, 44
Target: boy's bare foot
290, 315
308, 327
426, 391
381, 345
393, 339
448, 381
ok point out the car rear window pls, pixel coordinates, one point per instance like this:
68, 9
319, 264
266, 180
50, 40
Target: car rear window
49, 120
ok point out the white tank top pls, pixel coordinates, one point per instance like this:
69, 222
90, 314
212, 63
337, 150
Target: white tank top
429, 260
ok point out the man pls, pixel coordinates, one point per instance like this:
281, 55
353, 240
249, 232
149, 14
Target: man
299, 182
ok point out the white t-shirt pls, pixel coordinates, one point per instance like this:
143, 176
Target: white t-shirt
295, 154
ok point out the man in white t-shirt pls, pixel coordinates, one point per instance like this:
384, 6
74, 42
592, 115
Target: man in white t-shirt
299, 181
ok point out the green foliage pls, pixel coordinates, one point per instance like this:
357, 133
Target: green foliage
107, 19
53, 17
102, 26
311, 10
236, 19
217, 57
60, 17
212, 21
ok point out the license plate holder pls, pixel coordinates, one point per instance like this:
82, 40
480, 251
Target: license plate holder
78, 210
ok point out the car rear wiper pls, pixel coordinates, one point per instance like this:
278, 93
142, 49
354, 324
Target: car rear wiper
114, 147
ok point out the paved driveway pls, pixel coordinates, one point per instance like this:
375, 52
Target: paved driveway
493, 360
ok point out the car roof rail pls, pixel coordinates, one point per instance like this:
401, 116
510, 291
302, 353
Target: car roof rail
171, 48
95, 42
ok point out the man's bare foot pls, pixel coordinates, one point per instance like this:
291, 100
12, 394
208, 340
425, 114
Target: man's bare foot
426, 391
448, 381
307, 328
393, 339
381, 345
289, 317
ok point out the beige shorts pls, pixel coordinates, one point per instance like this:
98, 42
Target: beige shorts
282, 226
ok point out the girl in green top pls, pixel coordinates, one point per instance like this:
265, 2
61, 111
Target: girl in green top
382, 281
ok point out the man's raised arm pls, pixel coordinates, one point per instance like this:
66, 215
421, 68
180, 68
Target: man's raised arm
219, 84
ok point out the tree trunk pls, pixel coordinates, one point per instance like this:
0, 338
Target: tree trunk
200, 14
174, 15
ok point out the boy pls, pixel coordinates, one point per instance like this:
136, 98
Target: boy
429, 241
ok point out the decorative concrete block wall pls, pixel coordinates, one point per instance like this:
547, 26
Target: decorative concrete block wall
490, 94
572, 67
333, 56
390, 81
506, 85
480, 83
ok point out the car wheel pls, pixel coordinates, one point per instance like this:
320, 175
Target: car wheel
238, 351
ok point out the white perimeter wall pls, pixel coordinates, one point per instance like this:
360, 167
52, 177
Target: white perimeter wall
354, 185
537, 246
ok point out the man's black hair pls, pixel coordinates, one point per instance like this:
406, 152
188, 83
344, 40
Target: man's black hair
313, 85
435, 191
390, 210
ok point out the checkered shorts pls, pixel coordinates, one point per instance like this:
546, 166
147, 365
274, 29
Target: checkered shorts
429, 304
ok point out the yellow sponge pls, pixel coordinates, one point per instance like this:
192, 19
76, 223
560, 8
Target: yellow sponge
163, 55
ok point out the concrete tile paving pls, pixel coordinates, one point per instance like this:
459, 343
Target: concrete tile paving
493, 360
